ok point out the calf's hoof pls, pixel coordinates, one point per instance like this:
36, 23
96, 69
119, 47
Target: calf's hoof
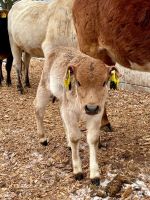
107, 128
79, 176
44, 142
95, 181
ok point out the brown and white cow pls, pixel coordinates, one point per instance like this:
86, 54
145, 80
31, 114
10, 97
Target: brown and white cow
115, 31
80, 83
36, 27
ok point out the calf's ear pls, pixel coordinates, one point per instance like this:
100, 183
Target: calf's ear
114, 76
69, 78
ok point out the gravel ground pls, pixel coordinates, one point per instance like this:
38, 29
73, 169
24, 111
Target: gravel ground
31, 171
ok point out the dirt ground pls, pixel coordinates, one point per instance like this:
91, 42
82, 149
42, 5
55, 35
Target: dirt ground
29, 171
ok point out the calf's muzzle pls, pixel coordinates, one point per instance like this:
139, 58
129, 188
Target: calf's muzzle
92, 109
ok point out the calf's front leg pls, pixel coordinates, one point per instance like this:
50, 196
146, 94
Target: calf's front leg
93, 139
73, 135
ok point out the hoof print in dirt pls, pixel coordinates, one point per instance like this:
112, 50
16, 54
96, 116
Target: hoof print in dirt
44, 143
79, 176
95, 181
107, 128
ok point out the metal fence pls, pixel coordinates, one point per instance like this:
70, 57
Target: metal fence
134, 80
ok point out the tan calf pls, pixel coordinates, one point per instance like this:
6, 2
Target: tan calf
80, 83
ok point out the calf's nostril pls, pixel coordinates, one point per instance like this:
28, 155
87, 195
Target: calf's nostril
92, 109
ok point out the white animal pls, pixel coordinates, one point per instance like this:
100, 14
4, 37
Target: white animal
36, 27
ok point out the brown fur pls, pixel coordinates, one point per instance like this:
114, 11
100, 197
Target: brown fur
120, 27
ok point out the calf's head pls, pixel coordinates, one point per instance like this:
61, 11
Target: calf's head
87, 81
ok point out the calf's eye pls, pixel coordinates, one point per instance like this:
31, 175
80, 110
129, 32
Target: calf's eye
104, 83
78, 84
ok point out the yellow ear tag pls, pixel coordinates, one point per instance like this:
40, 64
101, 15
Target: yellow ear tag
114, 80
67, 81
3, 15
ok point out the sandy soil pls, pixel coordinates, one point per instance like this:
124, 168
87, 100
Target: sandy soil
31, 171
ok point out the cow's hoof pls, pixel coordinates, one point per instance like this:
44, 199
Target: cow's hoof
44, 142
27, 85
20, 89
79, 176
95, 181
9, 83
107, 128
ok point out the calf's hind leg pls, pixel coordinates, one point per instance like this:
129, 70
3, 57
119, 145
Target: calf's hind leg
41, 100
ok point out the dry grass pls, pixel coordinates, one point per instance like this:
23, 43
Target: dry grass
31, 171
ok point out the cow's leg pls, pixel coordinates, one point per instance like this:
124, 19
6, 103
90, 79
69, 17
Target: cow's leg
17, 55
8, 69
26, 61
1, 73
105, 125
93, 139
73, 135
41, 100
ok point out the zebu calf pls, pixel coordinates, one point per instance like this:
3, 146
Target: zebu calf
80, 83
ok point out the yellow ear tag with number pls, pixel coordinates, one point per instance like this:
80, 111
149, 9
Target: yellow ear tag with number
67, 81
114, 80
